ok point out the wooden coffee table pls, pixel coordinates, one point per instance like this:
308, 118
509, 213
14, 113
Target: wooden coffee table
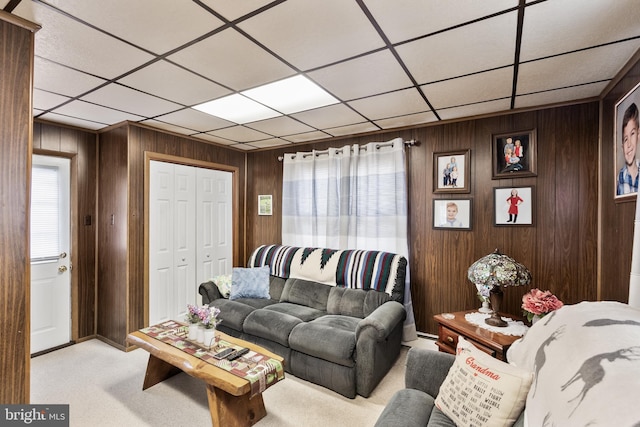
228, 395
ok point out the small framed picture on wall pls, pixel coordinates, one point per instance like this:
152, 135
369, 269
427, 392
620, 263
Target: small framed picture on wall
451, 214
514, 206
514, 154
451, 172
265, 204
625, 139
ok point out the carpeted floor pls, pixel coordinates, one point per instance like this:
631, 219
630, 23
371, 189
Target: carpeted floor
103, 387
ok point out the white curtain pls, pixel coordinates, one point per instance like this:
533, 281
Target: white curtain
349, 198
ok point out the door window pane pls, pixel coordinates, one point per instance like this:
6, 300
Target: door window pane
45, 212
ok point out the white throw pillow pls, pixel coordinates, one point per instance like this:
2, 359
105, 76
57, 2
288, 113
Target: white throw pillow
586, 361
223, 283
482, 391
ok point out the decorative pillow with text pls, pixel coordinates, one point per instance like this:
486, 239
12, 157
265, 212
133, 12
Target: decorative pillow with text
480, 390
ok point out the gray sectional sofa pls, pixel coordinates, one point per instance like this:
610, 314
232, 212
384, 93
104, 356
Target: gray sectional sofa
344, 335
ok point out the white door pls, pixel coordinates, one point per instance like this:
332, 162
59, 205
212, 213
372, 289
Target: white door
215, 224
50, 253
172, 236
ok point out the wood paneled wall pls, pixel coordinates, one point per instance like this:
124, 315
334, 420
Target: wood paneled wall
16, 71
560, 249
617, 218
121, 272
80, 147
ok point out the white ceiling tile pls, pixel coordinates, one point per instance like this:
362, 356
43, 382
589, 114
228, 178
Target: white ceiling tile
469, 89
309, 136
368, 75
234, 9
72, 121
66, 41
560, 95
213, 138
156, 25
586, 66
476, 109
409, 119
329, 117
353, 129
59, 79
239, 134
472, 48
47, 100
280, 126
96, 113
553, 27
232, 60
130, 100
174, 83
194, 119
405, 19
268, 143
167, 126
390, 105
308, 34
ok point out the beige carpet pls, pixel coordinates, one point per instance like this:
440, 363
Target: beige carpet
103, 387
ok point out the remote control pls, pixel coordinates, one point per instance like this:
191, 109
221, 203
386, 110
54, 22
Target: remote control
237, 353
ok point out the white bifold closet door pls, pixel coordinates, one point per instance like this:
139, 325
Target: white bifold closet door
190, 235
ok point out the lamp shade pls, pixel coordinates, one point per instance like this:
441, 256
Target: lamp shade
497, 269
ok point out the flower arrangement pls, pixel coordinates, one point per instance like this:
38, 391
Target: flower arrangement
539, 303
209, 316
192, 314
205, 315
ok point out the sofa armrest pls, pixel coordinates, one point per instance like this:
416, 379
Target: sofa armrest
382, 320
427, 369
209, 292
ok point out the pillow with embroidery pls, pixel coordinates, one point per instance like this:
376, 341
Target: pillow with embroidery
480, 390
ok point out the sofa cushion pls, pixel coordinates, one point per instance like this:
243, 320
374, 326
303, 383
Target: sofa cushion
249, 283
276, 286
375, 299
480, 390
586, 360
271, 325
329, 337
408, 408
346, 302
233, 313
305, 292
302, 312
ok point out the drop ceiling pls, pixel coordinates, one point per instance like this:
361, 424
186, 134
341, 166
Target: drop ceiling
389, 63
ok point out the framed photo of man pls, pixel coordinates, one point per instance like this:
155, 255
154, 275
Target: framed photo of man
451, 172
626, 140
514, 154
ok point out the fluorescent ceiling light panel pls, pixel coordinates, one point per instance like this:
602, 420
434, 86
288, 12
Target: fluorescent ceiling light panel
237, 108
291, 95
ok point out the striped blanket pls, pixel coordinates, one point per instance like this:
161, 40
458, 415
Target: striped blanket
350, 268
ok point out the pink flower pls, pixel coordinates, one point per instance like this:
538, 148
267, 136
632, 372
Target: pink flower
539, 303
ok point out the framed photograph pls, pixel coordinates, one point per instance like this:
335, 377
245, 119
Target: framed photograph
514, 206
452, 214
514, 154
451, 172
265, 206
626, 140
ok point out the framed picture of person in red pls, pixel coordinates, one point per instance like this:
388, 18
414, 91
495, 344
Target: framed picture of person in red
514, 206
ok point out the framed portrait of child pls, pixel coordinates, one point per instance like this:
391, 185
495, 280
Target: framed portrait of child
626, 161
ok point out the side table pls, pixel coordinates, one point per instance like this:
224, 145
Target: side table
492, 343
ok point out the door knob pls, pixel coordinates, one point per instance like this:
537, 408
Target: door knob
62, 269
